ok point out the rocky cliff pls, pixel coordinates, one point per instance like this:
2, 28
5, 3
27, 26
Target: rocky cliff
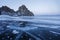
22, 11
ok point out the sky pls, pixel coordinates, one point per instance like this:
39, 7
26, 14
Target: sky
36, 6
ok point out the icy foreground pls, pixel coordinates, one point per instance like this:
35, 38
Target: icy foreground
29, 28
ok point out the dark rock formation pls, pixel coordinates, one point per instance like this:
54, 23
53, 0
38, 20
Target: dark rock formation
23, 11
6, 9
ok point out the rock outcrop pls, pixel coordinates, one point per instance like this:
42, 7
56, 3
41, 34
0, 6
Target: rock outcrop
4, 10
22, 11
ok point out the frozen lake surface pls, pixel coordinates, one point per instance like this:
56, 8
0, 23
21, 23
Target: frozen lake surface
29, 27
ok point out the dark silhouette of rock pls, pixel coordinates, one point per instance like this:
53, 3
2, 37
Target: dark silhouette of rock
23, 11
6, 9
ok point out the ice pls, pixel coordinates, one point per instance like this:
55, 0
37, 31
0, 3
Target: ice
55, 32
15, 32
31, 28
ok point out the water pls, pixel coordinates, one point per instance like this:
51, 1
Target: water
29, 28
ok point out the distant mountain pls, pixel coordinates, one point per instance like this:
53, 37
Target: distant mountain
22, 11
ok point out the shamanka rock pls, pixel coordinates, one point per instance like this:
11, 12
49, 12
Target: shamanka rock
23, 11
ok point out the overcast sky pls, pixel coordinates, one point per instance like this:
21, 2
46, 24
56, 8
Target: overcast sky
36, 6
